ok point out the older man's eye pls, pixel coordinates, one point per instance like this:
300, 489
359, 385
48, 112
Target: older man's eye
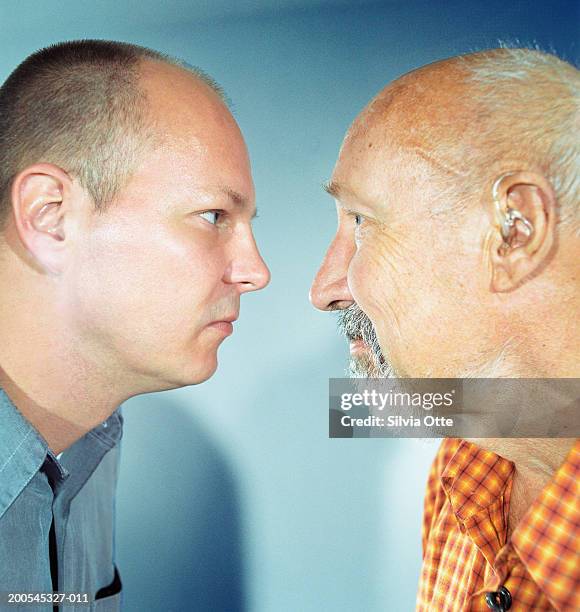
211, 216
358, 219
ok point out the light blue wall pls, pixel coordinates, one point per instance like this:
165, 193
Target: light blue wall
231, 495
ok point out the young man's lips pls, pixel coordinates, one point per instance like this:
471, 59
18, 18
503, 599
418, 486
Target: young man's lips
225, 327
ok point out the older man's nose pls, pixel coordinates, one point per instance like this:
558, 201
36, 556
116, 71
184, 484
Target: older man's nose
330, 290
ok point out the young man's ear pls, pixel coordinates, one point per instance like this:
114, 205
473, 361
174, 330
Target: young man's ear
521, 242
39, 203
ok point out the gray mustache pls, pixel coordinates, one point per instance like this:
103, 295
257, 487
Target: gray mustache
355, 325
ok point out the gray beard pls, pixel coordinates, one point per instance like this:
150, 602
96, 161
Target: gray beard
372, 363
367, 365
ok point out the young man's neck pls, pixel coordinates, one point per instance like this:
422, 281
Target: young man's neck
53, 385
61, 416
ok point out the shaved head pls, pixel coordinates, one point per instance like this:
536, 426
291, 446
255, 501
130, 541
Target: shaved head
464, 119
428, 182
81, 106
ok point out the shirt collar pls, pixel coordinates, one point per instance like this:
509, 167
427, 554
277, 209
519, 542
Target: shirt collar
546, 539
23, 452
478, 485
474, 479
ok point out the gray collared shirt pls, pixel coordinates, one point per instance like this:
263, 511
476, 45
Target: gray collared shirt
77, 492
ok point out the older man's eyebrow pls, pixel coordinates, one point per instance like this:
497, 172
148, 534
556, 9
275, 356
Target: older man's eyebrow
238, 199
332, 188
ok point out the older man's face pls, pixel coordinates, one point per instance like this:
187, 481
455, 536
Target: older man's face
157, 281
413, 273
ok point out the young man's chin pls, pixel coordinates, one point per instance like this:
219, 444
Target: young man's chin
202, 372
190, 371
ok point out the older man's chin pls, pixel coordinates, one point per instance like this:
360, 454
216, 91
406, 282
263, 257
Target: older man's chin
365, 364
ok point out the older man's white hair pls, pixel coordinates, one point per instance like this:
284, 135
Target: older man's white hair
531, 103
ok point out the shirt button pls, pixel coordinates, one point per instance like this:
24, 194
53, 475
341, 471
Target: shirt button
500, 600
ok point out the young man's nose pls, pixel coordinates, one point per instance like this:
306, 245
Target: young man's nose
248, 270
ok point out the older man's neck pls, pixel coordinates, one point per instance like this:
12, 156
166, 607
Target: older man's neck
537, 455
536, 460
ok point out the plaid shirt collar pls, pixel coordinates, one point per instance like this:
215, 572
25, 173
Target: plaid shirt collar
478, 486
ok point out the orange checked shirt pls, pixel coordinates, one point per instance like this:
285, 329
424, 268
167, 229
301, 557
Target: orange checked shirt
466, 552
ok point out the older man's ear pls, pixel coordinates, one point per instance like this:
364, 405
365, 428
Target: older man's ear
521, 242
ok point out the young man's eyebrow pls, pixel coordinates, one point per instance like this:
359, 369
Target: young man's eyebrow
238, 199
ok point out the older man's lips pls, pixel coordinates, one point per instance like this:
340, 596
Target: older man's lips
358, 346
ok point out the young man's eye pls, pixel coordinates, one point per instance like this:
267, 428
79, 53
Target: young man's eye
211, 216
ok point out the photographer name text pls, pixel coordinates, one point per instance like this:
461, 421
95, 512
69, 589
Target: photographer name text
396, 421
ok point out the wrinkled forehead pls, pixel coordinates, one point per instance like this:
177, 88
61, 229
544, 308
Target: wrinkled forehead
403, 140
375, 167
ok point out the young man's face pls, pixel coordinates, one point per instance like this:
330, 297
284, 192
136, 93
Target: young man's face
157, 279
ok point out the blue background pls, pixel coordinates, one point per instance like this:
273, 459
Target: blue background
231, 496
